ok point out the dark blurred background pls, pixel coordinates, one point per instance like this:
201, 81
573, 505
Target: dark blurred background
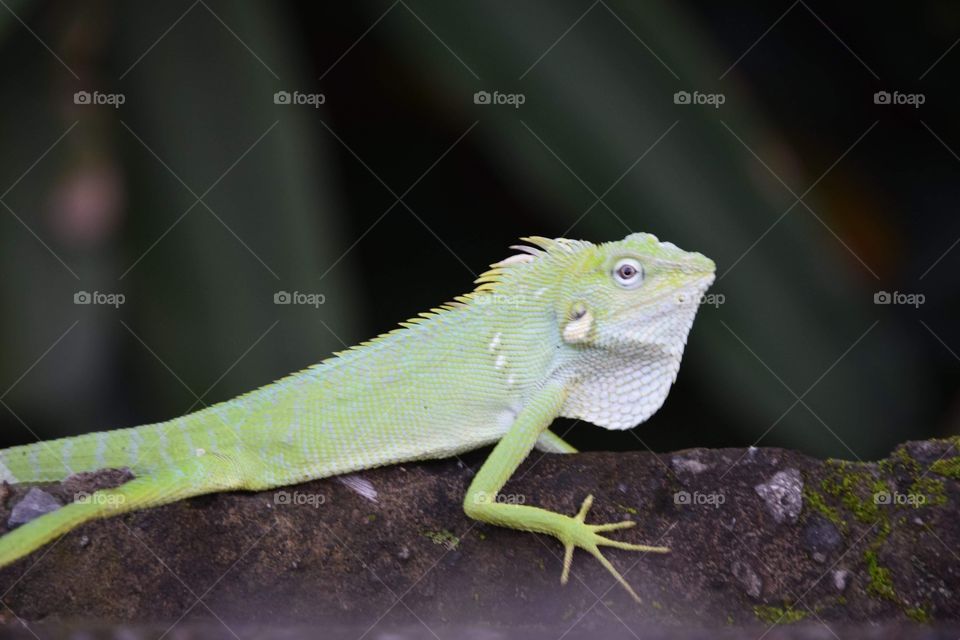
183, 181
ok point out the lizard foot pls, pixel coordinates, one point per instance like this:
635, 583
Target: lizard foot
587, 537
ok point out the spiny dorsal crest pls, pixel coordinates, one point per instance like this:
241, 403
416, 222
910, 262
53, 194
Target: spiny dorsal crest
529, 254
487, 281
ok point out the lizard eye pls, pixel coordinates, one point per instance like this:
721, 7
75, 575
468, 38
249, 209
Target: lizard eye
628, 272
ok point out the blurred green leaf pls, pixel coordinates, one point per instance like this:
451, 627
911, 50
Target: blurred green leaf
198, 120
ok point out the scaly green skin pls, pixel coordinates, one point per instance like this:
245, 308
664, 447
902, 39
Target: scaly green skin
560, 329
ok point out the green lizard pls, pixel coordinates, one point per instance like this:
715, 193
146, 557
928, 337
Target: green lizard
562, 328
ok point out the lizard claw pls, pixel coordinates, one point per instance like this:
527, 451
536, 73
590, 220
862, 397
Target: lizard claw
586, 536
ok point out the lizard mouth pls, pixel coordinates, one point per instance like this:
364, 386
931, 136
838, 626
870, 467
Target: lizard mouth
651, 319
688, 294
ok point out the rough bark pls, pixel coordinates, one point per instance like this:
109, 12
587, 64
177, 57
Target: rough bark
759, 537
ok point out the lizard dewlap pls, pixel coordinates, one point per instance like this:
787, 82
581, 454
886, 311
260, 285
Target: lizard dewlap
561, 328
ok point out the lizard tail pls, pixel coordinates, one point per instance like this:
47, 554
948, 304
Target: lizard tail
139, 449
194, 477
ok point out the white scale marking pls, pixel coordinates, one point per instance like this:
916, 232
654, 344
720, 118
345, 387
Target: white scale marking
135, 440
67, 453
101, 450
187, 440
162, 443
6, 475
34, 462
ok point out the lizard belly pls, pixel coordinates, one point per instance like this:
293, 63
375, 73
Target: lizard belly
332, 449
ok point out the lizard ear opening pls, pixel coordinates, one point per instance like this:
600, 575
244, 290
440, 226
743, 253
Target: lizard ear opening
579, 324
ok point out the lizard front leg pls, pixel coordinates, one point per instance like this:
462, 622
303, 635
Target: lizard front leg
572, 531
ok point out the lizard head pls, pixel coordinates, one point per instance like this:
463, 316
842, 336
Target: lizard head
623, 311
636, 292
